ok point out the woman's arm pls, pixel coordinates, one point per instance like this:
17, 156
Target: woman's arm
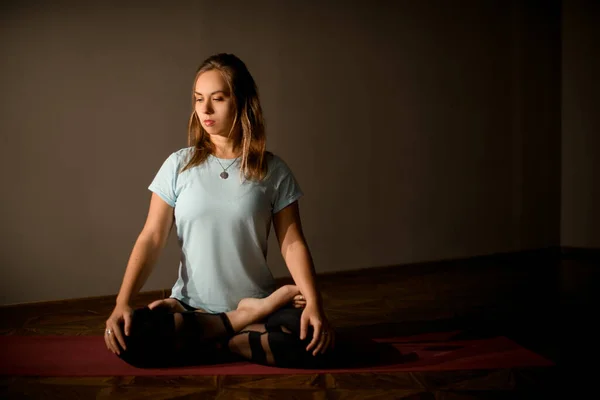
147, 248
141, 262
294, 250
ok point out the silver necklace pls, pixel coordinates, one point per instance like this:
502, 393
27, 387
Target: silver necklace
224, 174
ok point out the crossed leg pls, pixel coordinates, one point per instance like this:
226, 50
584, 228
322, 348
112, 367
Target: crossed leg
161, 337
277, 342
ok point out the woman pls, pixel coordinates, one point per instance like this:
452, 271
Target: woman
224, 299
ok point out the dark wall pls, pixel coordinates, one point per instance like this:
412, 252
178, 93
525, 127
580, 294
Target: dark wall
580, 216
418, 130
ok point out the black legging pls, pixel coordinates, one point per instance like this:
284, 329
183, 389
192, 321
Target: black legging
156, 340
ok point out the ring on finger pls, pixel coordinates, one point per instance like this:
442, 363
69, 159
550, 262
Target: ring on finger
108, 332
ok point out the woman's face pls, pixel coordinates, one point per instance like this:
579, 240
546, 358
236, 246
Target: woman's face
214, 105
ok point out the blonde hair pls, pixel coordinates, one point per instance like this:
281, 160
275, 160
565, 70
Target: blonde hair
248, 117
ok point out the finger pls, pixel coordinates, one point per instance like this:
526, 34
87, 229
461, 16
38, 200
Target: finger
127, 318
320, 344
315, 338
329, 339
109, 341
327, 343
118, 339
114, 344
303, 327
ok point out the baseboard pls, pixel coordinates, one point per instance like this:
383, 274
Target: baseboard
423, 266
581, 254
142, 296
565, 252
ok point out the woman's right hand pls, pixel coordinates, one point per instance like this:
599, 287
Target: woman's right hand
120, 317
299, 301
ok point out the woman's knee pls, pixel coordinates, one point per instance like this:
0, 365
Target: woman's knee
290, 352
151, 340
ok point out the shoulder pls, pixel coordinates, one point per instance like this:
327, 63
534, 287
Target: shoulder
180, 157
175, 161
183, 154
276, 164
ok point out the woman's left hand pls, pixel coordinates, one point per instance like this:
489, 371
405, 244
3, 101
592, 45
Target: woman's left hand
323, 334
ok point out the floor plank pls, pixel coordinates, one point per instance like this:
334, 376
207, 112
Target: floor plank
516, 297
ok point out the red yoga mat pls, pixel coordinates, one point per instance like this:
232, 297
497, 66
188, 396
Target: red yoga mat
88, 356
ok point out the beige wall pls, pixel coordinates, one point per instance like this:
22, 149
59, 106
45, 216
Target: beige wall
580, 204
419, 131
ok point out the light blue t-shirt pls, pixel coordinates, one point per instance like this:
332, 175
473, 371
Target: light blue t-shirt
223, 227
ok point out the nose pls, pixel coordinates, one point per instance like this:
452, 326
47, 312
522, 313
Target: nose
204, 108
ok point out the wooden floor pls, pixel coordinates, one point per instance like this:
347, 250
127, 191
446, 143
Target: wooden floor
528, 297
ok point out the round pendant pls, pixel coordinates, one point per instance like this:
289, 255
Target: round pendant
224, 175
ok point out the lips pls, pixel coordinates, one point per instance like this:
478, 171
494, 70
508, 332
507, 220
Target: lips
209, 122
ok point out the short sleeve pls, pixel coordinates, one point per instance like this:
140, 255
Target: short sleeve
165, 181
287, 189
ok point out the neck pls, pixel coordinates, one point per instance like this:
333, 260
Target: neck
226, 147
227, 152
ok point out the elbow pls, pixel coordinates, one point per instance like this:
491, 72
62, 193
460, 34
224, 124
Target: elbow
155, 240
291, 248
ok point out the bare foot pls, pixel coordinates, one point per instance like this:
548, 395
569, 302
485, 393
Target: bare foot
263, 307
171, 305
